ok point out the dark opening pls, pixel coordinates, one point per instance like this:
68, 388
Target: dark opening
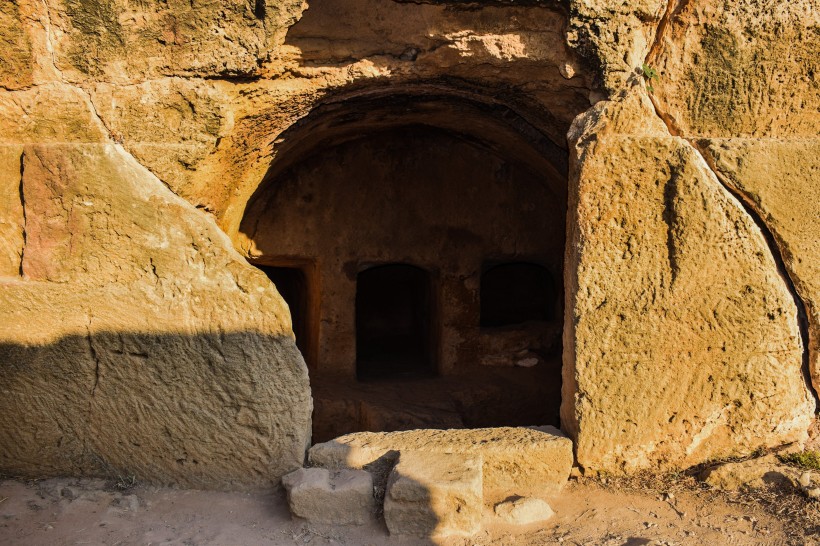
291, 282
515, 293
393, 322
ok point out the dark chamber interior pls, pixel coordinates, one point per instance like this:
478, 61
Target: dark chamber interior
291, 282
436, 298
393, 322
516, 293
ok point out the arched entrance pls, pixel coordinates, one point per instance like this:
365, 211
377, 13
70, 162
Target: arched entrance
411, 213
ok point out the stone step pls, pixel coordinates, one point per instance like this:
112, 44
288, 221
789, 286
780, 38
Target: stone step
341, 497
523, 461
434, 495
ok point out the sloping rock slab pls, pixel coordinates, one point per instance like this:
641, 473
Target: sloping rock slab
751, 474
521, 461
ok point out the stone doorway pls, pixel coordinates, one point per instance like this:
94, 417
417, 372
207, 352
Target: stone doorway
292, 284
436, 226
393, 323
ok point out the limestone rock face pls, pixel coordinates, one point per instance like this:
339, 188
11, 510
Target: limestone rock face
16, 56
434, 494
731, 69
170, 125
118, 40
615, 36
681, 340
344, 497
49, 113
779, 180
516, 460
137, 342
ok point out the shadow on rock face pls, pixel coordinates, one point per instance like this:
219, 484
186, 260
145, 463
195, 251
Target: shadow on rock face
216, 410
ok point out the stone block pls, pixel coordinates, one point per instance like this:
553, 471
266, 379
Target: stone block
17, 66
523, 511
143, 40
434, 494
682, 339
521, 461
343, 497
714, 73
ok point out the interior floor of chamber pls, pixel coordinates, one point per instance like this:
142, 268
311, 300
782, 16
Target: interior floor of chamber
483, 397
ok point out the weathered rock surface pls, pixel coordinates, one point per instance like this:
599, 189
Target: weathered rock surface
434, 494
778, 179
180, 123
341, 497
173, 357
516, 460
16, 57
682, 340
12, 239
49, 113
523, 511
753, 474
138, 343
118, 40
732, 69
615, 36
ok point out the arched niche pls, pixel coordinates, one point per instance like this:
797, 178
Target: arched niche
432, 183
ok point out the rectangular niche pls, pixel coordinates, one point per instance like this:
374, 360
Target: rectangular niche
296, 282
394, 323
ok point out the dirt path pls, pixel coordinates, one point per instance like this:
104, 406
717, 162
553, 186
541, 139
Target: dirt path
72, 512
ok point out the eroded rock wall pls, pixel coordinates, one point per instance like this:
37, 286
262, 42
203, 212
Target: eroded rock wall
685, 343
136, 340
691, 330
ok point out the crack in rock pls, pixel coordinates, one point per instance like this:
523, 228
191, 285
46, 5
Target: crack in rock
23, 205
757, 218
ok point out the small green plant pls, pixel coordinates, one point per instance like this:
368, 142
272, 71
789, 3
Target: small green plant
804, 459
649, 74
125, 483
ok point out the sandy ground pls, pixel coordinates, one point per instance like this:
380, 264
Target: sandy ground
72, 511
